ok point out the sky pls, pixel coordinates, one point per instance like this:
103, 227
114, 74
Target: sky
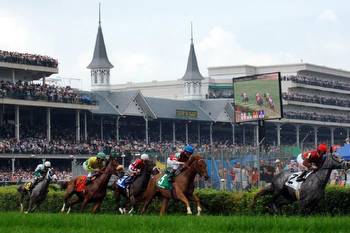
149, 40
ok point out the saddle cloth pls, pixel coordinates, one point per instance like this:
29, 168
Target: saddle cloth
80, 185
164, 183
293, 183
28, 185
124, 181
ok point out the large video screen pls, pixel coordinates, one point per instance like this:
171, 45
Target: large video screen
257, 97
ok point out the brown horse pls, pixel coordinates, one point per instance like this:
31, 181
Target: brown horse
95, 192
183, 186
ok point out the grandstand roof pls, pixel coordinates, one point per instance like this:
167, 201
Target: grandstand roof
100, 59
219, 110
133, 103
166, 108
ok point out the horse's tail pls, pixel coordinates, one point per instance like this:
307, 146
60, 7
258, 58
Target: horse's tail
262, 192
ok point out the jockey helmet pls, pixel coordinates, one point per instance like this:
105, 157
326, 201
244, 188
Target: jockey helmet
322, 148
144, 157
101, 155
189, 149
47, 164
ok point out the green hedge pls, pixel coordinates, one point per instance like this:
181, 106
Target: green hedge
336, 201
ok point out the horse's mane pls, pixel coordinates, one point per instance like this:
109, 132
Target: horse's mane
193, 158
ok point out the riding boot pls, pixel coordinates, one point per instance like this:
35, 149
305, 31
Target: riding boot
171, 176
301, 177
88, 181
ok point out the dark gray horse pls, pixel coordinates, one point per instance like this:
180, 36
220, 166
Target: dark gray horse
136, 189
38, 194
311, 190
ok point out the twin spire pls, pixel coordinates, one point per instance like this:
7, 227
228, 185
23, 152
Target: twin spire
100, 58
192, 72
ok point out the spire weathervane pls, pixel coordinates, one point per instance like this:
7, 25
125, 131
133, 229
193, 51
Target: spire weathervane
191, 33
99, 13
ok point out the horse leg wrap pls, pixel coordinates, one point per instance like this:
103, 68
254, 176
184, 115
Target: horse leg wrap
68, 211
189, 212
199, 210
21, 207
63, 207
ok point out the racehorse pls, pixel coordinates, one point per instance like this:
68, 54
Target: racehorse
95, 192
244, 98
259, 100
136, 188
311, 190
38, 194
182, 188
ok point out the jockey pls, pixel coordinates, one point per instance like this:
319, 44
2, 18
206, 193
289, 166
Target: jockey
40, 171
135, 167
176, 160
93, 165
310, 160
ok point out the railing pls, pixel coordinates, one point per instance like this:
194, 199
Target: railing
84, 99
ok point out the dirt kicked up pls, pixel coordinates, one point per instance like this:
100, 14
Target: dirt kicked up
39, 222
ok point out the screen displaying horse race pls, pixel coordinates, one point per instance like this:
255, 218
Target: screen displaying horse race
257, 97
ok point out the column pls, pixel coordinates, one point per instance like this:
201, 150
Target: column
278, 129
243, 134
332, 135
1, 116
117, 129
315, 135
199, 132
17, 122
48, 124
347, 133
211, 133
13, 76
77, 126
160, 130
233, 133
174, 136
13, 165
146, 128
298, 135
186, 131
85, 127
101, 128
256, 131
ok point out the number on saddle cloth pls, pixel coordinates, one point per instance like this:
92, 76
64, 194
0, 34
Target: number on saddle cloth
28, 185
292, 180
124, 181
164, 183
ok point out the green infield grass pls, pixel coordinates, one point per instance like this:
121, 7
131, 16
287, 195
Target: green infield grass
41, 222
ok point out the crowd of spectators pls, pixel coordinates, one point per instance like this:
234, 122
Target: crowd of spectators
27, 59
316, 99
316, 117
35, 91
22, 175
316, 81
